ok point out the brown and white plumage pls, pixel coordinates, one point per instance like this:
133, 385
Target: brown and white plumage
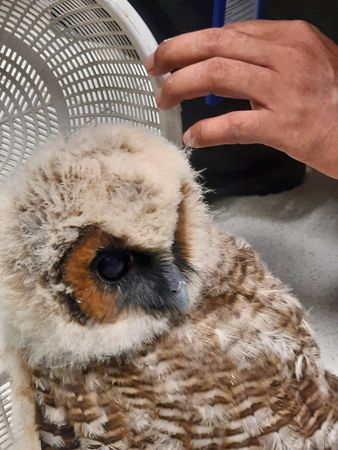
195, 345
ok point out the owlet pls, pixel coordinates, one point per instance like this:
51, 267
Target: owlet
133, 323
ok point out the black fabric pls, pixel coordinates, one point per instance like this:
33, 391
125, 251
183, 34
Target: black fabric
236, 169
321, 13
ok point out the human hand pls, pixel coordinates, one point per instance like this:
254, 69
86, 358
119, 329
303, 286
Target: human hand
287, 69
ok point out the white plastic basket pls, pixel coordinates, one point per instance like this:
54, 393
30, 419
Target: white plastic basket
6, 436
69, 63
65, 64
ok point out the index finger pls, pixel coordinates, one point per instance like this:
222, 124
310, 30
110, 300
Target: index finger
227, 42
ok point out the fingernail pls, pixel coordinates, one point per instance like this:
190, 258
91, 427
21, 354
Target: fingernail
149, 64
158, 97
188, 139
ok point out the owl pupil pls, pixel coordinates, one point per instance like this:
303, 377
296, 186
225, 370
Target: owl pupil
111, 265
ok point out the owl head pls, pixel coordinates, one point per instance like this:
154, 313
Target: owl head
104, 243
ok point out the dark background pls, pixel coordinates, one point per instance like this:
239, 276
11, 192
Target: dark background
236, 169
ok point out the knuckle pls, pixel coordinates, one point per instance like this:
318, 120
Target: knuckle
303, 28
214, 40
235, 128
198, 132
168, 86
233, 37
162, 53
217, 68
307, 40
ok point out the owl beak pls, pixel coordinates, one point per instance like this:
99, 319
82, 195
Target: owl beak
178, 288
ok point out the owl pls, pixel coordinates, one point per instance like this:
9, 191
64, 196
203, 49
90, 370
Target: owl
132, 322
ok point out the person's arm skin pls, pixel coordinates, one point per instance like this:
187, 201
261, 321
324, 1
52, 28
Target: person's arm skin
287, 69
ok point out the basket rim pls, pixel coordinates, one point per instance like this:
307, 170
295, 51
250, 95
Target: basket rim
145, 44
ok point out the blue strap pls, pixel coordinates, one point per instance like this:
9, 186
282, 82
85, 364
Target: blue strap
218, 20
218, 17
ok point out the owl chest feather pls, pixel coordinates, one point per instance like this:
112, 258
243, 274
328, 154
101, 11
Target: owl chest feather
194, 389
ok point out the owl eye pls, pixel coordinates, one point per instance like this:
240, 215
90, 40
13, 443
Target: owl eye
111, 265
